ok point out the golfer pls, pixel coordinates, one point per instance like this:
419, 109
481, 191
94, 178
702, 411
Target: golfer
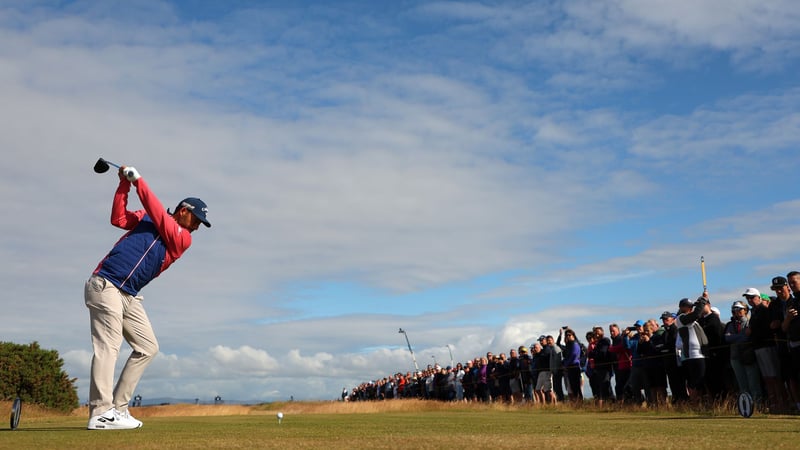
155, 239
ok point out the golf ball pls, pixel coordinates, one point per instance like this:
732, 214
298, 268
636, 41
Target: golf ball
280, 415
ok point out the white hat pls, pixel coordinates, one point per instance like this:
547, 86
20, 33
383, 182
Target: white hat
738, 304
751, 291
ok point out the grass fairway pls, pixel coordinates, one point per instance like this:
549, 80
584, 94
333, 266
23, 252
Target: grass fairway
405, 424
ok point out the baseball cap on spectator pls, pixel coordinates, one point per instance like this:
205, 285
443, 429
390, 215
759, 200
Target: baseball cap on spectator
522, 349
751, 292
639, 323
685, 302
766, 298
542, 337
667, 314
779, 282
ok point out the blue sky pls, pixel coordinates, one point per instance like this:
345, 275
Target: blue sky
477, 173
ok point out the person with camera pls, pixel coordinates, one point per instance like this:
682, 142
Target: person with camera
638, 379
651, 345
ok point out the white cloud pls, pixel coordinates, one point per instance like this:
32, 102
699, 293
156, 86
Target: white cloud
458, 168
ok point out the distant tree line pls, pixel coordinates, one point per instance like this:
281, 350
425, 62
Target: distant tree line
36, 376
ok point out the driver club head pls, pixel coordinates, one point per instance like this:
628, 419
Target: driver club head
101, 166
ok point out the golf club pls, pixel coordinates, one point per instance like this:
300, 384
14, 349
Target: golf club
102, 165
16, 411
703, 269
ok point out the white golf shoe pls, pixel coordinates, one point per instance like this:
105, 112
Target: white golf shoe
126, 415
113, 420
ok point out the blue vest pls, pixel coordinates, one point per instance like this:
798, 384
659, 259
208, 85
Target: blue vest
136, 259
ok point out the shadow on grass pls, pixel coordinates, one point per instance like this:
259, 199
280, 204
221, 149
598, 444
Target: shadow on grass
21, 430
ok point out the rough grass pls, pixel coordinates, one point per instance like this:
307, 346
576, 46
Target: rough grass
405, 424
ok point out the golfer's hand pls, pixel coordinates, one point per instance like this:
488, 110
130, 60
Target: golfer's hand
131, 174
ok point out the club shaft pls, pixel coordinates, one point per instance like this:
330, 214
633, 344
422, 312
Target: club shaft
703, 269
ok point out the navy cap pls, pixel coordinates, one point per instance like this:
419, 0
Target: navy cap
779, 282
685, 302
197, 207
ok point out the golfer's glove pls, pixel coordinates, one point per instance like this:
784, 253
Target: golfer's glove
132, 174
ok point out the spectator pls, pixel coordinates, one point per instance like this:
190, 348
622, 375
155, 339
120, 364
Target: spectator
494, 383
570, 359
449, 388
400, 385
545, 356
677, 383
791, 326
460, 372
526, 376
502, 378
468, 381
778, 310
743, 356
601, 366
717, 354
651, 345
556, 368
585, 358
622, 370
482, 381
689, 346
762, 339
638, 379
514, 377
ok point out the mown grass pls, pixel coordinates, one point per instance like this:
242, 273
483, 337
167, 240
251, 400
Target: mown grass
405, 424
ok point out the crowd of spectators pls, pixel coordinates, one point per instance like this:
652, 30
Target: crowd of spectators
692, 357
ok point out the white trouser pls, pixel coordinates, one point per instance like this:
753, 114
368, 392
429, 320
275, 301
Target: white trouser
115, 315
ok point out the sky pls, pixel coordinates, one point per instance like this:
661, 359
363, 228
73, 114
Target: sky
475, 173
